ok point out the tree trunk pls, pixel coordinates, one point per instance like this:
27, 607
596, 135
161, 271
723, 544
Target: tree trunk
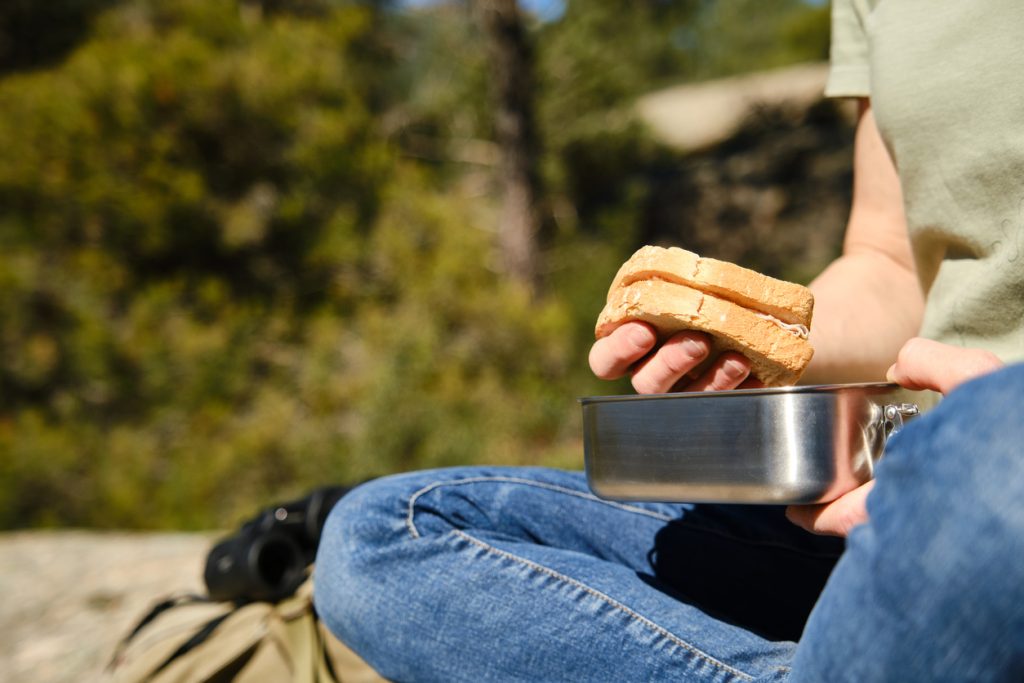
511, 67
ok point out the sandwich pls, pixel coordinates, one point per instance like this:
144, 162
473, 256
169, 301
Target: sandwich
765, 319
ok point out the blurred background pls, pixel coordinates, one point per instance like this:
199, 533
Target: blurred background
252, 247
248, 247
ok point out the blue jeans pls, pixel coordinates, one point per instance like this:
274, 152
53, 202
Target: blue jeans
515, 574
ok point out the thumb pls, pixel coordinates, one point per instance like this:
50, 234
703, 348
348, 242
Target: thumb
927, 364
836, 518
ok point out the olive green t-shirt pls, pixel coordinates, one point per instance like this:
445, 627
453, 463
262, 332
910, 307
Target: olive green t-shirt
946, 82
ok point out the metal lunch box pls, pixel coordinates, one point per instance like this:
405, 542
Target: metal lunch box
805, 444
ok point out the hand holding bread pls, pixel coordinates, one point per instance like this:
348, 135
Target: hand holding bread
714, 321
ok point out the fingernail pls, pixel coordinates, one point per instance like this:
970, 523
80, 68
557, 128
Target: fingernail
734, 369
695, 349
641, 336
890, 374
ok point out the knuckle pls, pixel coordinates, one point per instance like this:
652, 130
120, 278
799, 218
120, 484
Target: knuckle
676, 361
907, 349
683, 354
911, 349
635, 336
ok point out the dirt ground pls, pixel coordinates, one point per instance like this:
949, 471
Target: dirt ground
70, 596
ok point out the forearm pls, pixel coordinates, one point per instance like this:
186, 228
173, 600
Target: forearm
866, 308
868, 302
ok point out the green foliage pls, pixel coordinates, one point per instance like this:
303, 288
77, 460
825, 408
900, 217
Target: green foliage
746, 35
226, 274
601, 55
34, 34
440, 76
218, 284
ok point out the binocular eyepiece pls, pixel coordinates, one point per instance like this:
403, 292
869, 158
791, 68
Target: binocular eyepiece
267, 559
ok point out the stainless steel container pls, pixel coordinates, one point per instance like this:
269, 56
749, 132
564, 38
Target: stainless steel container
788, 445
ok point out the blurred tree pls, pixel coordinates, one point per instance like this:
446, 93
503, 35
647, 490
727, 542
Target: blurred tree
220, 283
512, 85
35, 34
751, 35
177, 198
440, 85
244, 244
602, 53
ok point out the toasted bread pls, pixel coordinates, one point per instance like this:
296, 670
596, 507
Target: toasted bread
763, 318
789, 302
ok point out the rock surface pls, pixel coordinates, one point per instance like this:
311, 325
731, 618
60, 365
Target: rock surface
70, 596
698, 115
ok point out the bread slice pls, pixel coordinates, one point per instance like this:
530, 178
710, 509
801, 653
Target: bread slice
777, 356
790, 303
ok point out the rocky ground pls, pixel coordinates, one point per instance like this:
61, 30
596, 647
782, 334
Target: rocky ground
697, 115
69, 596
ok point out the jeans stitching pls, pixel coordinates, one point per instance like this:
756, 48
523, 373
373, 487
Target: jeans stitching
410, 522
679, 642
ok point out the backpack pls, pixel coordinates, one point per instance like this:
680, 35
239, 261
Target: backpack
192, 639
257, 622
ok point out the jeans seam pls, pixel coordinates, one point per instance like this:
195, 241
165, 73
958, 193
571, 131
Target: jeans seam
660, 630
410, 522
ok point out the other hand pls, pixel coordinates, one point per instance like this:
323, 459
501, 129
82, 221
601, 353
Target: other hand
921, 364
671, 366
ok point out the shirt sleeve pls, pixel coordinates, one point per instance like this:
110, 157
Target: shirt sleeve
850, 72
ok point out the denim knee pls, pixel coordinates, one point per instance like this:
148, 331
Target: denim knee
362, 579
965, 456
349, 567
948, 509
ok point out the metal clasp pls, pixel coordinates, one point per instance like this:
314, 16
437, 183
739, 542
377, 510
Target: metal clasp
894, 414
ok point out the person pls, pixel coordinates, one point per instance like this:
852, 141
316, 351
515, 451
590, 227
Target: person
506, 574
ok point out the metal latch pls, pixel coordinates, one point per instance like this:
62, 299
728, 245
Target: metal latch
894, 415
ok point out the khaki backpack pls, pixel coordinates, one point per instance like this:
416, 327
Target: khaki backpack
189, 639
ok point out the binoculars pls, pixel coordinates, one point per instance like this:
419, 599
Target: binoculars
267, 559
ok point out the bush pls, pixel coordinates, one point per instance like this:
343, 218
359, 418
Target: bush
220, 284
225, 279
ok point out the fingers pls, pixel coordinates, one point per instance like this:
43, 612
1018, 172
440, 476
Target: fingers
836, 518
678, 356
611, 357
672, 366
729, 371
927, 364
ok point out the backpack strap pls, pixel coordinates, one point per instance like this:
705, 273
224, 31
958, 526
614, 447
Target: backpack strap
197, 639
157, 609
